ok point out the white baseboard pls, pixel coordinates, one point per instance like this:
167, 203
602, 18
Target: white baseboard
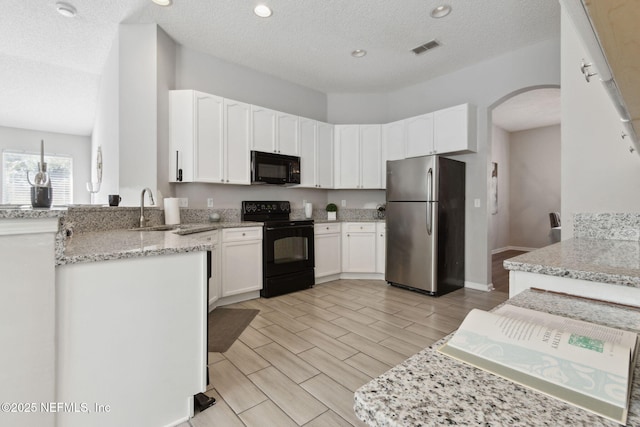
363, 276
329, 278
232, 299
512, 248
478, 286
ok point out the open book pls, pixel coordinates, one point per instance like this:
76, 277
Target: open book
581, 363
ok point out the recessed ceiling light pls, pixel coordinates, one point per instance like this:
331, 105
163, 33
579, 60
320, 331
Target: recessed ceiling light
441, 11
263, 11
163, 2
66, 10
358, 53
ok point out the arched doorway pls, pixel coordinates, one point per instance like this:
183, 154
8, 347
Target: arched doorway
525, 166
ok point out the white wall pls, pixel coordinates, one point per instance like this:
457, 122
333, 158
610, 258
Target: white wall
166, 81
598, 172
138, 111
106, 129
361, 108
499, 222
484, 84
535, 185
199, 71
78, 147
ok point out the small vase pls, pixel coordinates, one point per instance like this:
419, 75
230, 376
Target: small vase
331, 216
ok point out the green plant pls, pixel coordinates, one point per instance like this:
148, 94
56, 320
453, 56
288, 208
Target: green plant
331, 207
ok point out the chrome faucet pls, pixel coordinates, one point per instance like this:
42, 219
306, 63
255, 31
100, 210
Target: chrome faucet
143, 220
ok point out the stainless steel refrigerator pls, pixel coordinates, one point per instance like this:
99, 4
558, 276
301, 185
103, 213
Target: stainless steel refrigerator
425, 224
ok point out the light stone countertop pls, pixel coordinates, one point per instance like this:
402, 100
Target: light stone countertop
27, 212
120, 244
432, 389
608, 261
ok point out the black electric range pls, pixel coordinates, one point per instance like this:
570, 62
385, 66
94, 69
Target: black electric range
287, 249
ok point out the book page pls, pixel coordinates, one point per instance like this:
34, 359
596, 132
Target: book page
597, 332
574, 360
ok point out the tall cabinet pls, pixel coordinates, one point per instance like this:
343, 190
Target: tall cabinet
358, 156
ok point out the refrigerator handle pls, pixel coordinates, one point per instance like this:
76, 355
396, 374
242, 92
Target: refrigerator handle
429, 200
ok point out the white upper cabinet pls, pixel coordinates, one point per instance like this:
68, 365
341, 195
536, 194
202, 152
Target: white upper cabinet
454, 129
357, 156
237, 134
287, 134
419, 131
393, 143
316, 154
195, 136
263, 135
324, 155
274, 132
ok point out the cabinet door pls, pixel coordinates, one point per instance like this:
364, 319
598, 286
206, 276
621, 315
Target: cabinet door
181, 136
241, 267
451, 129
287, 135
380, 247
419, 131
214, 280
263, 135
208, 137
370, 154
347, 156
324, 156
393, 141
237, 134
308, 129
327, 254
359, 252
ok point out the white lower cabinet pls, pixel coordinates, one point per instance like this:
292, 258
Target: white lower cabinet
327, 247
241, 260
381, 245
359, 247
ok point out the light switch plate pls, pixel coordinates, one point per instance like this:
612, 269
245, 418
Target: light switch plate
210, 202
344, 203
184, 202
476, 203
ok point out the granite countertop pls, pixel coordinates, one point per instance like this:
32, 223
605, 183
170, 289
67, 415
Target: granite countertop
608, 261
27, 212
432, 389
119, 244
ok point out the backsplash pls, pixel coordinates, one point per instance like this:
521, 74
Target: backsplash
85, 219
607, 226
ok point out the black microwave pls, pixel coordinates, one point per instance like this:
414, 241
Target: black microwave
270, 168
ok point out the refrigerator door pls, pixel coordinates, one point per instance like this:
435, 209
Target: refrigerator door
411, 249
408, 179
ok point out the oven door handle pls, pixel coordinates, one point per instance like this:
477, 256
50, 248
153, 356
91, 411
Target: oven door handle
292, 227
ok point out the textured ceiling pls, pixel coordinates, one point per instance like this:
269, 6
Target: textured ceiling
51, 65
529, 110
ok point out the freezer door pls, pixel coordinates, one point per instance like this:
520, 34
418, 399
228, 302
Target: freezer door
411, 249
407, 179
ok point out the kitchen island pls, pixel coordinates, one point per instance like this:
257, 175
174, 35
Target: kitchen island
432, 389
602, 261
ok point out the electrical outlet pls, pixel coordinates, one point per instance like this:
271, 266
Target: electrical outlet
210, 202
344, 203
476, 203
184, 202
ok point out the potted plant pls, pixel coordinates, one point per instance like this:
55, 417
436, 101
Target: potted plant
331, 211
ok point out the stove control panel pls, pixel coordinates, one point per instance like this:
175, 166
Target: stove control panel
266, 207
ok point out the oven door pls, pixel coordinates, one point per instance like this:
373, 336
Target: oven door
288, 249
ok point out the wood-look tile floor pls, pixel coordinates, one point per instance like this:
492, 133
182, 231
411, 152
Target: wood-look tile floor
305, 353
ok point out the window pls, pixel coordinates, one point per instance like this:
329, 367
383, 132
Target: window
16, 188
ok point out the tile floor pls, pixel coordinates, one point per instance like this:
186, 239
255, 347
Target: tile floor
304, 355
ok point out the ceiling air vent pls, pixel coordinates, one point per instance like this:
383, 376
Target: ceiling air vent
425, 47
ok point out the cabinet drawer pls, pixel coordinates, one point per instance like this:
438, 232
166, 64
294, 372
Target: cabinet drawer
207, 236
381, 227
243, 233
326, 228
360, 227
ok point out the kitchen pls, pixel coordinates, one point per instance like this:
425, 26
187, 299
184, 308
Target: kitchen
500, 76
